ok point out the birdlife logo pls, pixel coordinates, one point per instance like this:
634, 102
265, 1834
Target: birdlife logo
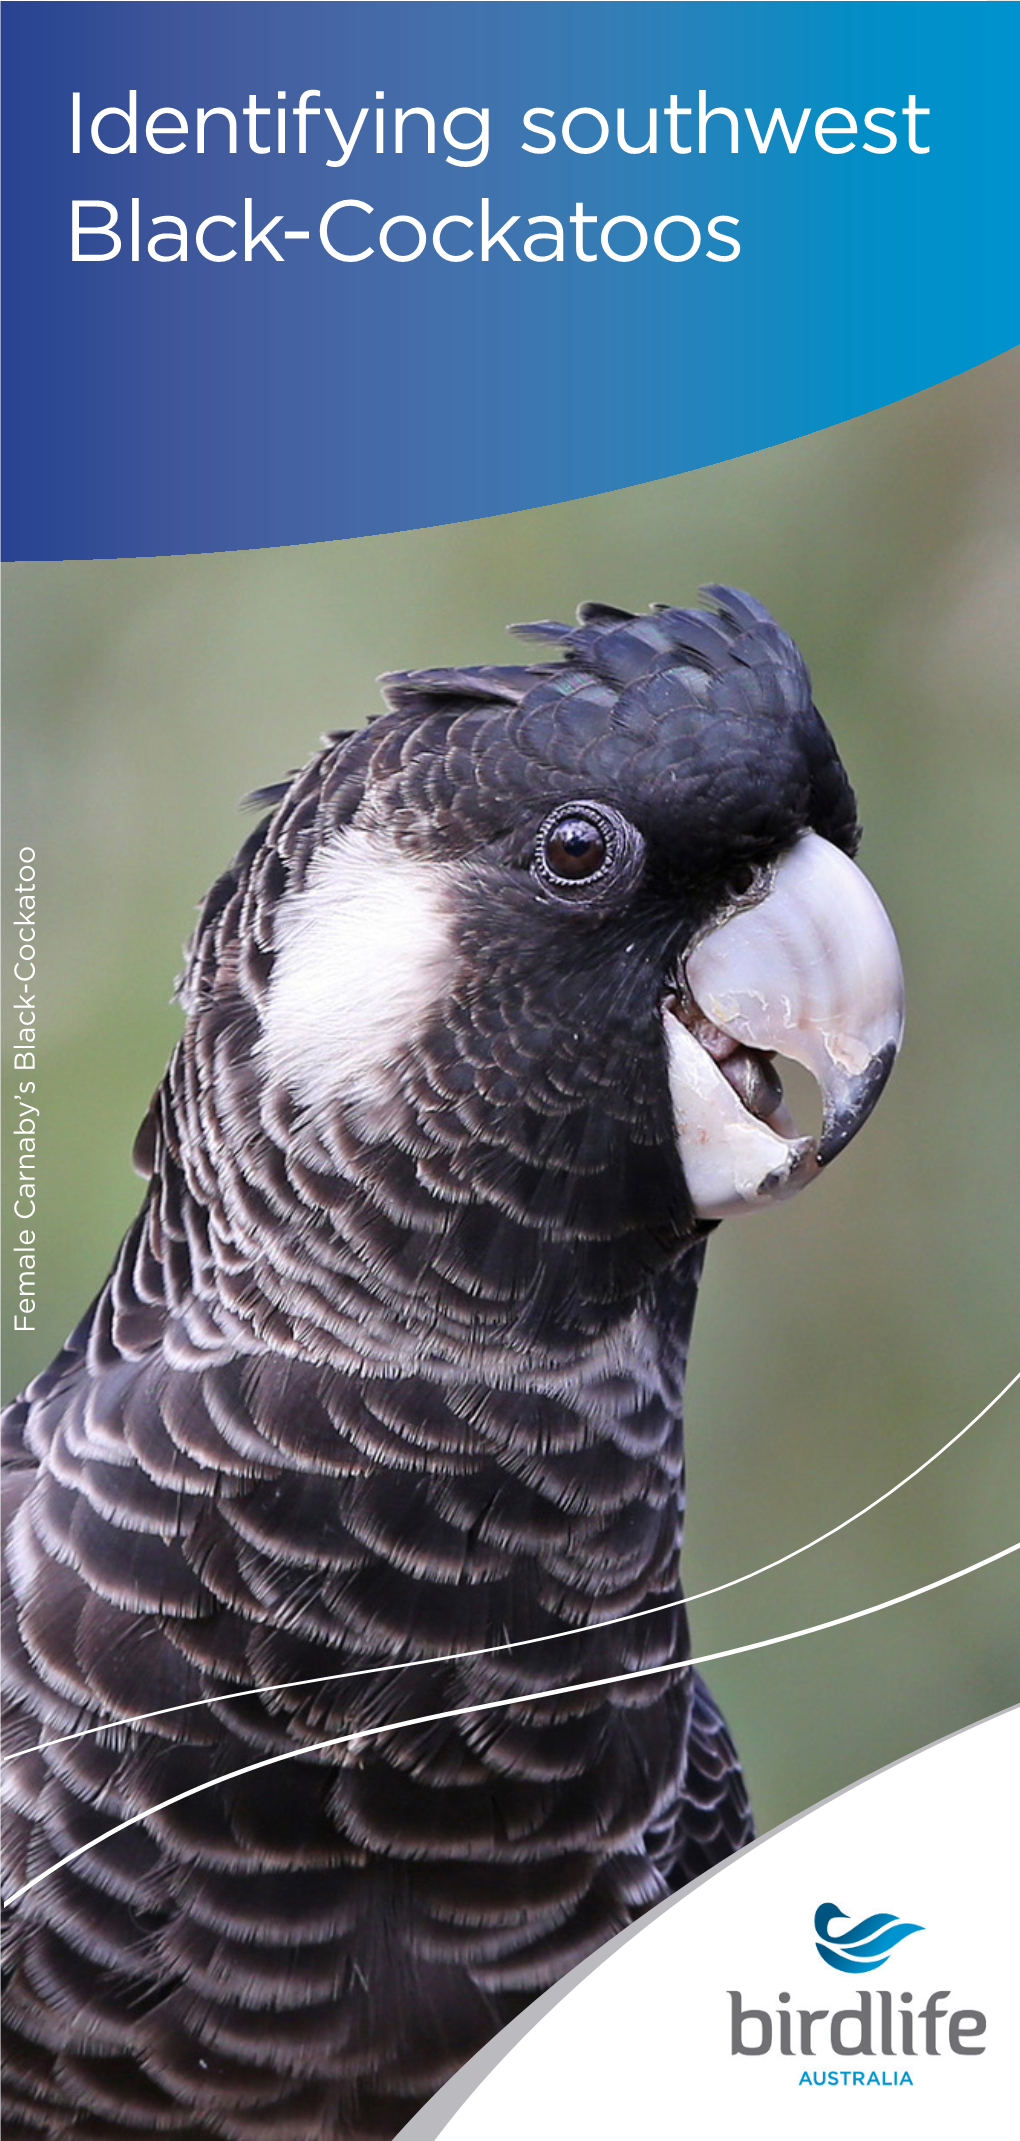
896, 2029
866, 1946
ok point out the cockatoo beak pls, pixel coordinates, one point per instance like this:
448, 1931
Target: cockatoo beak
809, 970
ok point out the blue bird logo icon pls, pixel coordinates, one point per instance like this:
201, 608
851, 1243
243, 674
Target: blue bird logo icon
866, 1946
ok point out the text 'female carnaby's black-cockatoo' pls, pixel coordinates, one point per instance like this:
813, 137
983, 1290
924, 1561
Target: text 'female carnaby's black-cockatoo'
479, 1045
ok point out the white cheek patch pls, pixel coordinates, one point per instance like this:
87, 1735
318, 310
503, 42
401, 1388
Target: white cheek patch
365, 955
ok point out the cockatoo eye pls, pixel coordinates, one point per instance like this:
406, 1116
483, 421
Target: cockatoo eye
575, 848
584, 845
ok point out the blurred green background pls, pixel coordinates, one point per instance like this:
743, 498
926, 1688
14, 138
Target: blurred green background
840, 1339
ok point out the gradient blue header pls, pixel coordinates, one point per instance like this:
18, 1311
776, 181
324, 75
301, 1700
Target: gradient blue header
285, 273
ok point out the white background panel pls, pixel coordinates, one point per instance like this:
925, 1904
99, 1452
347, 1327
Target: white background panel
642, 2043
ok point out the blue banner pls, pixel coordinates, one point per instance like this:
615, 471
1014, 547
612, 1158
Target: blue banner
286, 273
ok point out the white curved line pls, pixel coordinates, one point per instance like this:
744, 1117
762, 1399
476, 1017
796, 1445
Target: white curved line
491, 1650
499, 1702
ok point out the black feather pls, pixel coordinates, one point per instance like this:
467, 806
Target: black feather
353, 1401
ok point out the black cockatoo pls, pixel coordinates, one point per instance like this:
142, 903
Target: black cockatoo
479, 1046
